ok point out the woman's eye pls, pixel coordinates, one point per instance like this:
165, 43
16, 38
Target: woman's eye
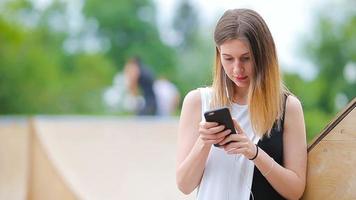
245, 58
228, 59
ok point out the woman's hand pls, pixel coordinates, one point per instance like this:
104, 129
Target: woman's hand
211, 133
239, 143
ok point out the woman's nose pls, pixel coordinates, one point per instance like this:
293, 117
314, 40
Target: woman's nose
238, 67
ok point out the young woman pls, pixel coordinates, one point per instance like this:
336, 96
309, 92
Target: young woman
267, 158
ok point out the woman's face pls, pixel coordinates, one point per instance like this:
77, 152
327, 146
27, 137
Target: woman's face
236, 59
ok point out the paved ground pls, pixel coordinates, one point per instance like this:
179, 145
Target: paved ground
109, 158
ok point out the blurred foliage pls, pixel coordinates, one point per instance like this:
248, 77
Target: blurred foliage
195, 49
37, 75
130, 27
308, 92
331, 45
186, 24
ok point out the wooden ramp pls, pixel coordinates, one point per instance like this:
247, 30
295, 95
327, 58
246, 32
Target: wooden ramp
14, 147
332, 159
103, 158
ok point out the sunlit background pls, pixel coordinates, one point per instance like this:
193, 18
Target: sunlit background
66, 57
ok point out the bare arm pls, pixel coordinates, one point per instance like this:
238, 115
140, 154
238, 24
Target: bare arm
194, 143
289, 180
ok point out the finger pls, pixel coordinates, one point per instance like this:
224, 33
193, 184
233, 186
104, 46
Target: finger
210, 141
235, 138
203, 131
223, 134
216, 129
227, 139
208, 125
213, 130
219, 136
219, 140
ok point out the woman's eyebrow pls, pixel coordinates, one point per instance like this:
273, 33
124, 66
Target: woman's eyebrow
225, 54
244, 54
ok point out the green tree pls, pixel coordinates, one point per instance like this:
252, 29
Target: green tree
36, 74
309, 93
186, 25
195, 50
331, 46
129, 26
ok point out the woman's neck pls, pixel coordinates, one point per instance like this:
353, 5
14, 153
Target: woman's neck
240, 96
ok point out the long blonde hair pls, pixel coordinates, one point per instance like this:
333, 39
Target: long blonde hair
266, 91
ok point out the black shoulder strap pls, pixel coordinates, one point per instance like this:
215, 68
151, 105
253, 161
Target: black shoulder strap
284, 109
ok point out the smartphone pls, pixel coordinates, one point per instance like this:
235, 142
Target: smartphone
223, 117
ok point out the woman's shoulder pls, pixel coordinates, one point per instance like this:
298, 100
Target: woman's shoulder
192, 98
293, 112
195, 95
293, 104
191, 107
195, 99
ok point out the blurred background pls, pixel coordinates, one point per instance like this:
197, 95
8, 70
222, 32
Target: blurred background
60, 58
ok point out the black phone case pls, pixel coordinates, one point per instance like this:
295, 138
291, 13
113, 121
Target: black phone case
223, 117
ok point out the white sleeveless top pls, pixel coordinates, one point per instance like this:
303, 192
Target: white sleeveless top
227, 177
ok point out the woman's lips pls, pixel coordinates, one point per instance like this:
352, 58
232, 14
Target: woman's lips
241, 78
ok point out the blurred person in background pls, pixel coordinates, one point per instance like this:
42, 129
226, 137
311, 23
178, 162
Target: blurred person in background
118, 99
267, 157
167, 96
140, 82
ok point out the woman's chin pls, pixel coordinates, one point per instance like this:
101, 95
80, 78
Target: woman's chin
242, 84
